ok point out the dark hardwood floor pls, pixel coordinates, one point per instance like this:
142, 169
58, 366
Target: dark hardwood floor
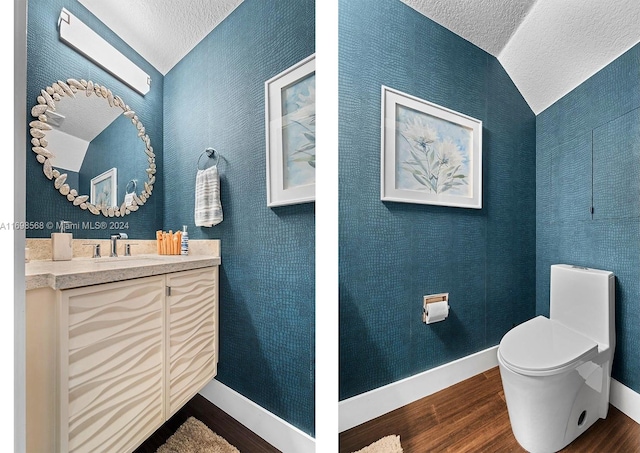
471, 416
217, 420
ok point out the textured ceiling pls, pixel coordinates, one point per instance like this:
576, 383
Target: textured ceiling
162, 31
487, 23
548, 47
562, 43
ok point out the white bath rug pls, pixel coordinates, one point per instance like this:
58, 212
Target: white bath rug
388, 444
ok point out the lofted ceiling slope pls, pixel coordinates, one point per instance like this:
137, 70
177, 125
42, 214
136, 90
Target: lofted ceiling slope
162, 31
548, 47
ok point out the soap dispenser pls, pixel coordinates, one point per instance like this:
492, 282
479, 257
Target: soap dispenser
62, 243
184, 246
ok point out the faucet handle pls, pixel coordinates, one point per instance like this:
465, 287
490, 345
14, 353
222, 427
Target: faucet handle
127, 249
96, 250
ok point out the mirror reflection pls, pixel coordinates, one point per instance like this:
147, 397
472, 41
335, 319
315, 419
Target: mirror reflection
93, 147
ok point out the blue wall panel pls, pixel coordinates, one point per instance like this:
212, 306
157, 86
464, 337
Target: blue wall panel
117, 146
570, 198
616, 168
215, 97
588, 148
391, 254
509, 163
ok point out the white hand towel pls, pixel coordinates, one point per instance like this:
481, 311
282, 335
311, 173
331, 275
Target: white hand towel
208, 210
128, 199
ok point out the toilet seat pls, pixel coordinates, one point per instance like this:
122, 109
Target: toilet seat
544, 347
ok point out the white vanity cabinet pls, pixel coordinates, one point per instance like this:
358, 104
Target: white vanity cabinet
192, 343
111, 347
107, 364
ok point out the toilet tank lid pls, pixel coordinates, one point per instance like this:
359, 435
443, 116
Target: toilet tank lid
543, 346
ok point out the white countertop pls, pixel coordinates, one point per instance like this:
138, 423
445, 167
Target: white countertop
92, 271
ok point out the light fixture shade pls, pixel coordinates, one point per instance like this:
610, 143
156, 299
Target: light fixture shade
84, 40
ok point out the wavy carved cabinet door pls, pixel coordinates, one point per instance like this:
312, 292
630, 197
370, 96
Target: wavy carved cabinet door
192, 333
111, 365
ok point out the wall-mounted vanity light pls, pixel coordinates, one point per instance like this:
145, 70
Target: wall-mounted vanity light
83, 39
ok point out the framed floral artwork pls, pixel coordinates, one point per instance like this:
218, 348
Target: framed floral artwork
430, 154
290, 115
104, 189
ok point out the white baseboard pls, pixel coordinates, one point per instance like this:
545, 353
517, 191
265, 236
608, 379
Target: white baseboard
367, 406
625, 399
279, 433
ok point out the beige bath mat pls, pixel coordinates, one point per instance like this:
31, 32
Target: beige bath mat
195, 437
389, 444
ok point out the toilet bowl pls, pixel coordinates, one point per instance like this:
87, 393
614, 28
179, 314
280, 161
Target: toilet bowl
556, 371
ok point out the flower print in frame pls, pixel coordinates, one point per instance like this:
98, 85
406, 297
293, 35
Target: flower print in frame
430, 154
290, 112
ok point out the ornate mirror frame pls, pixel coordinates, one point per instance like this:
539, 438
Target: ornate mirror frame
39, 127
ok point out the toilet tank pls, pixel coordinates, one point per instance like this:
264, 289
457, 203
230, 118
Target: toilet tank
584, 300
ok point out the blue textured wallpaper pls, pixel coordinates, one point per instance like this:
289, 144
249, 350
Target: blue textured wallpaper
588, 154
131, 161
391, 254
49, 60
215, 97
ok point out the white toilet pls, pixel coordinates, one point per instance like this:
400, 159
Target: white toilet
556, 372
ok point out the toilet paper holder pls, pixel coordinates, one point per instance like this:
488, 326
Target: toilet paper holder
442, 301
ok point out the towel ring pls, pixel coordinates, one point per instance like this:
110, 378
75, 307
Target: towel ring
212, 154
135, 185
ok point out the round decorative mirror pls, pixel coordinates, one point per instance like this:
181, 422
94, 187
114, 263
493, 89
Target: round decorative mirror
83, 138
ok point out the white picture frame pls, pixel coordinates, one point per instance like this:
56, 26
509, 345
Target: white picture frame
429, 153
104, 189
290, 135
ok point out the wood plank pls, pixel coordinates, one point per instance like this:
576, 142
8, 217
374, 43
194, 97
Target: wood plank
472, 416
217, 420
402, 422
444, 435
617, 432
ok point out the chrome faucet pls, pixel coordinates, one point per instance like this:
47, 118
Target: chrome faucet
114, 242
